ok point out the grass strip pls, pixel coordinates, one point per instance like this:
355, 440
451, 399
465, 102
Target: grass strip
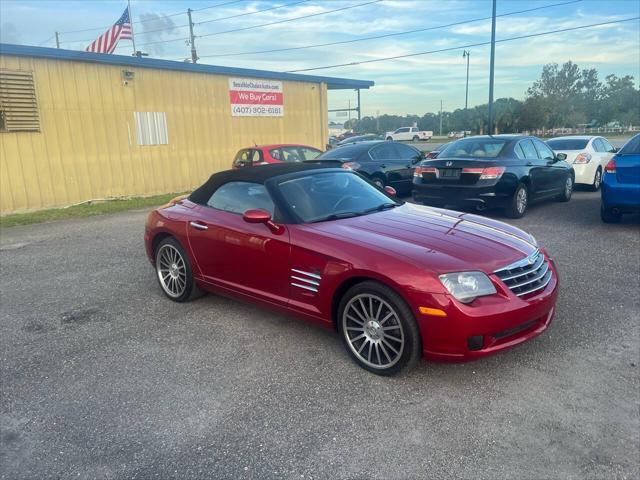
87, 209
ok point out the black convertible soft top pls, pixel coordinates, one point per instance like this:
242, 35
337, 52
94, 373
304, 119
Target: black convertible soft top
259, 174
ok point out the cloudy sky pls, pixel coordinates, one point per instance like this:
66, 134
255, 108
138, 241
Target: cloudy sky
414, 84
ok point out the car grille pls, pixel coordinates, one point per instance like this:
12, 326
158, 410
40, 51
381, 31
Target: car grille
526, 276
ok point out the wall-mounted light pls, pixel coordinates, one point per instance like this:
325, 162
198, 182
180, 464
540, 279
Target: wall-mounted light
127, 76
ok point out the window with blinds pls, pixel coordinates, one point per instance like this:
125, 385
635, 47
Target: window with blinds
18, 103
151, 128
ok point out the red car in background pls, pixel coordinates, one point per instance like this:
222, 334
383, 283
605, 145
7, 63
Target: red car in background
398, 281
278, 153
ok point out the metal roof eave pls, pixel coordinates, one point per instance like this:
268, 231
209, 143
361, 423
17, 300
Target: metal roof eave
333, 83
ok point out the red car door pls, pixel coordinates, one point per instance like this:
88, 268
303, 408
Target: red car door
243, 257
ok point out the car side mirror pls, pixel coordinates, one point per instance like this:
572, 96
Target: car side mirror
561, 156
390, 191
259, 215
614, 150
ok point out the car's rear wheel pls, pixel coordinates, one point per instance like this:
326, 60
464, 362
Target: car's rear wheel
597, 180
378, 181
378, 328
174, 271
416, 138
389, 138
519, 202
608, 216
565, 196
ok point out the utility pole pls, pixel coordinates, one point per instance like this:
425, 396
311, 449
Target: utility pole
359, 109
467, 54
491, 65
57, 40
192, 38
440, 117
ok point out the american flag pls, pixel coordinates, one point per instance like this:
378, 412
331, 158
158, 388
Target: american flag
106, 43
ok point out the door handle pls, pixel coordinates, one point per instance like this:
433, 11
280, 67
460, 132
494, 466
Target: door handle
529, 164
198, 225
383, 166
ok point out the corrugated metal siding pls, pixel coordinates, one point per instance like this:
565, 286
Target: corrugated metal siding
87, 146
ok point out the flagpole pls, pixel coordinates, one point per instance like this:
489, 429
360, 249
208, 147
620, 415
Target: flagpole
133, 35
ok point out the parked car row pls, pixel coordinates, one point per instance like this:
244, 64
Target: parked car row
509, 172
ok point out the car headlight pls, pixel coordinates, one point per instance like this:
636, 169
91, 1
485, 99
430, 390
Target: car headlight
467, 286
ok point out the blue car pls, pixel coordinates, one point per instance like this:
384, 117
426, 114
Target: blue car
621, 183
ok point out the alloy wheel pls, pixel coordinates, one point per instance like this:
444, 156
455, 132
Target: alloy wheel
597, 180
373, 331
521, 200
172, 270
568, 187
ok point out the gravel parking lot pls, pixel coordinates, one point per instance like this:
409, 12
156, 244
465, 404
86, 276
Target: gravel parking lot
102, 377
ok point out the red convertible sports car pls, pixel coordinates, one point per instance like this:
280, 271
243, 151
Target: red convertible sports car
398, 281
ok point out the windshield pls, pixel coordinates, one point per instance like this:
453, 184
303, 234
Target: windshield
474, 147
568, 143
333, 195
632, 147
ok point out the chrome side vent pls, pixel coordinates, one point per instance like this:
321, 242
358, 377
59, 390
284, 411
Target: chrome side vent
526, 276
305, 280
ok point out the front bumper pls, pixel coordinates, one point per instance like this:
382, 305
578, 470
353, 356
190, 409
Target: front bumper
489, 324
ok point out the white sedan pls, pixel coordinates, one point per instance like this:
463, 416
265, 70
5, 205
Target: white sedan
587, 155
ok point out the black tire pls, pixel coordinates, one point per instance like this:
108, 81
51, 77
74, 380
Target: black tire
565, 196
516, 207
608, 216
378, 181
399, 320
389, 138
416, 138
181, 267
597, 180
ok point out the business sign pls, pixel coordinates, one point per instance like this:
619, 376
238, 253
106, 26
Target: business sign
252, 97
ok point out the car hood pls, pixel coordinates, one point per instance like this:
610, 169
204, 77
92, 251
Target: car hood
436, 239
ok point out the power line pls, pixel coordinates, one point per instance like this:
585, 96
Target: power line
145, 21
266, 24
291, 19
252, 13
47, 40
386, 35
460, 47
218, 5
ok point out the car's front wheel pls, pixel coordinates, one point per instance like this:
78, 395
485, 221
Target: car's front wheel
567, 191
378, 328
416, 138
389, 138
174, 272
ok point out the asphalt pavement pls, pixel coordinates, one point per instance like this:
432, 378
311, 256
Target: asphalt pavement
103, 377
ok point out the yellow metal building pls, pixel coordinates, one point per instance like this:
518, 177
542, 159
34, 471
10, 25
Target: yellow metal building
78, 126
